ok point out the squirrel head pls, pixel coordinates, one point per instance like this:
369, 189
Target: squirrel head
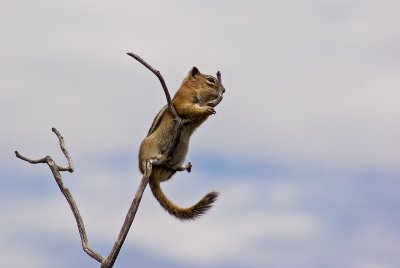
207, 87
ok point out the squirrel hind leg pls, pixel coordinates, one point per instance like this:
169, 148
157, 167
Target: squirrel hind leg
183, 167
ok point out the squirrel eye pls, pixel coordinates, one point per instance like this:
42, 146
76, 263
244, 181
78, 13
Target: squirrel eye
211, 79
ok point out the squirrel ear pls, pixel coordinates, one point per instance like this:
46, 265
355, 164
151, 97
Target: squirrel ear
194, 71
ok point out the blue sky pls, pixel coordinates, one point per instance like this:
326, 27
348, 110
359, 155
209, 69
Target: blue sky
303, 149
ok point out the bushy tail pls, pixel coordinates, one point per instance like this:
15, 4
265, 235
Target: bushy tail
183, 214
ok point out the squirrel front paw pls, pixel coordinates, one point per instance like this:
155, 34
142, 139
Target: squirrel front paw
209, 109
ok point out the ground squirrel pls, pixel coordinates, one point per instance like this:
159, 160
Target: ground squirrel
192, 101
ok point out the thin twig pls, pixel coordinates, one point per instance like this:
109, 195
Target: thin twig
55, 169
39, 161
70, 167
160, 77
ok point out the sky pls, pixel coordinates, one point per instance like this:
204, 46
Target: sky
304, 148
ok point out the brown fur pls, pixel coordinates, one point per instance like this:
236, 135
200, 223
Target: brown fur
191, 101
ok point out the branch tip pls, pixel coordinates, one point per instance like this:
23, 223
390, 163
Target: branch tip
160, 77
56, 132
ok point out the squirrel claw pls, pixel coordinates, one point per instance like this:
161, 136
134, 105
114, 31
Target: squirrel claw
189, 167
210, 110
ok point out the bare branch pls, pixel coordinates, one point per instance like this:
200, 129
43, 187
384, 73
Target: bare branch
42, 160
164, 86
70, 167
130, 216
55, 169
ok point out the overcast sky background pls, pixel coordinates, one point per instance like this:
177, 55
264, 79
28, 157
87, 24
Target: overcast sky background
304, 148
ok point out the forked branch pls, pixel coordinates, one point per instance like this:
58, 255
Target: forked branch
56, 170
